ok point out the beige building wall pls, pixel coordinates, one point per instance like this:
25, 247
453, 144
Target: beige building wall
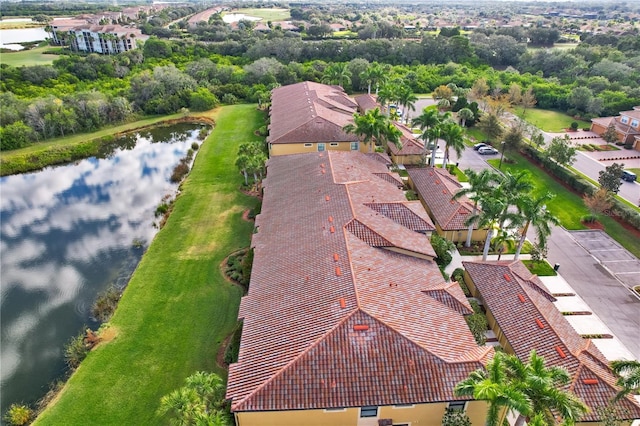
413, 415
301, 148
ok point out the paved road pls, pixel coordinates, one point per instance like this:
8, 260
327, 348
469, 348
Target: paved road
590, 167
609, 298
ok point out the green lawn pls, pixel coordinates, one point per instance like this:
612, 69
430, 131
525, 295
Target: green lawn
549, 120
567, 206
275, 14
178, 307
35, 56
540, 268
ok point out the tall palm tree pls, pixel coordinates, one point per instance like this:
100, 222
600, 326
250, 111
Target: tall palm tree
337, 73
453, 137
373, 126
480, 185
545, 388
493, 385
464, 115
430, 122
628, 376
386, 95
488, 217
407, 99
533, 211
374, 75
513, 188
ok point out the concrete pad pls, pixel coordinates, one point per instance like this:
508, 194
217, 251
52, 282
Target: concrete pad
571, 304
587, 324
556, 284
612, 349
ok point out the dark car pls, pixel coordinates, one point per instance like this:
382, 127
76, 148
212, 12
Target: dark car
479, 145
628, 176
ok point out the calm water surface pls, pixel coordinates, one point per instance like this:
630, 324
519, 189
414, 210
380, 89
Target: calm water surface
66, 234
9, 39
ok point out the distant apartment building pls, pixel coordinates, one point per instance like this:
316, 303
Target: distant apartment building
627, 126
105, 39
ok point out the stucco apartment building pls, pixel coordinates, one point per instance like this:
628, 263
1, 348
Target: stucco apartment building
521, 312
627, 126
348, 320
104, 39
309, 117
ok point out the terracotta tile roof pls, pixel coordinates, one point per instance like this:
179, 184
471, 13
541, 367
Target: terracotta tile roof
310, 112
410, 145
436, 187
314, 279
404, 215
523, 309
366, 102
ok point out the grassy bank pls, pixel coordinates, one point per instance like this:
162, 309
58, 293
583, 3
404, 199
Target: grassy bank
550, 120
178, 308
567, 206
75, 147
29, 57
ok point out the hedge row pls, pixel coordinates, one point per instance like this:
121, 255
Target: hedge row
580, 185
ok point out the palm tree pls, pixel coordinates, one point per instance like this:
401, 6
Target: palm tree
373, 126
629, 377
374, 75
533, 211
545, 388
492, 206
480, 185
513, 187
386, 95
465, 114
429, 122
493, 385
453, 138
337, 73
407, 99
503, 237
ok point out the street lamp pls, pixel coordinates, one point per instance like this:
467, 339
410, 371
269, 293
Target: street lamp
501, 155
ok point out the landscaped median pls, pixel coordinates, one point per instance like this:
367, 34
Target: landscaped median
178, 308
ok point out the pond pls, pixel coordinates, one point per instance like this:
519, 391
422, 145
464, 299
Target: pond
67, 234
10, 39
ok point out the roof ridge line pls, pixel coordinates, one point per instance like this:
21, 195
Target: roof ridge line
297, 357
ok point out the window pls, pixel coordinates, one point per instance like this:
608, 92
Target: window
334, 410
634, 123
457, 405
308, 145
369, 411
403, 406
624, 119
320, 147
333, 144
355, 146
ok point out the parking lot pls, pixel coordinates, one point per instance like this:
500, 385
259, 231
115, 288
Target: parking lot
615, 258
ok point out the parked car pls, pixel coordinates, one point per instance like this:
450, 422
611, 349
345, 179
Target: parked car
479, 145
487, 150
628, 176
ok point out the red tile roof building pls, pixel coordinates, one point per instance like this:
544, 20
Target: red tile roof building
524, 317
346, 307
436, 188
627, 126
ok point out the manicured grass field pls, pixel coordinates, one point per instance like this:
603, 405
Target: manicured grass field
549, 120
275, 14
178, 308
540, 268
29, 57
567, 206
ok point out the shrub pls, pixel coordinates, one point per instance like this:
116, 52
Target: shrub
574, 125
202, 134
161, 210
105, 305
442, 248
586, 129
75, 351
455, 418
229, 99
478, 325
179, 172
233, 348
195, 146
18, 415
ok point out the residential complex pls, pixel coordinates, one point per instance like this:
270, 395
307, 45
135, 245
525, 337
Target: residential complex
348, 319
89, 38
626, 125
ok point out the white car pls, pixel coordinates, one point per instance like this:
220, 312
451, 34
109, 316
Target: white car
487, 150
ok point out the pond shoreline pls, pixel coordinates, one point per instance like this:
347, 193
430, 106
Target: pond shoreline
18, 161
